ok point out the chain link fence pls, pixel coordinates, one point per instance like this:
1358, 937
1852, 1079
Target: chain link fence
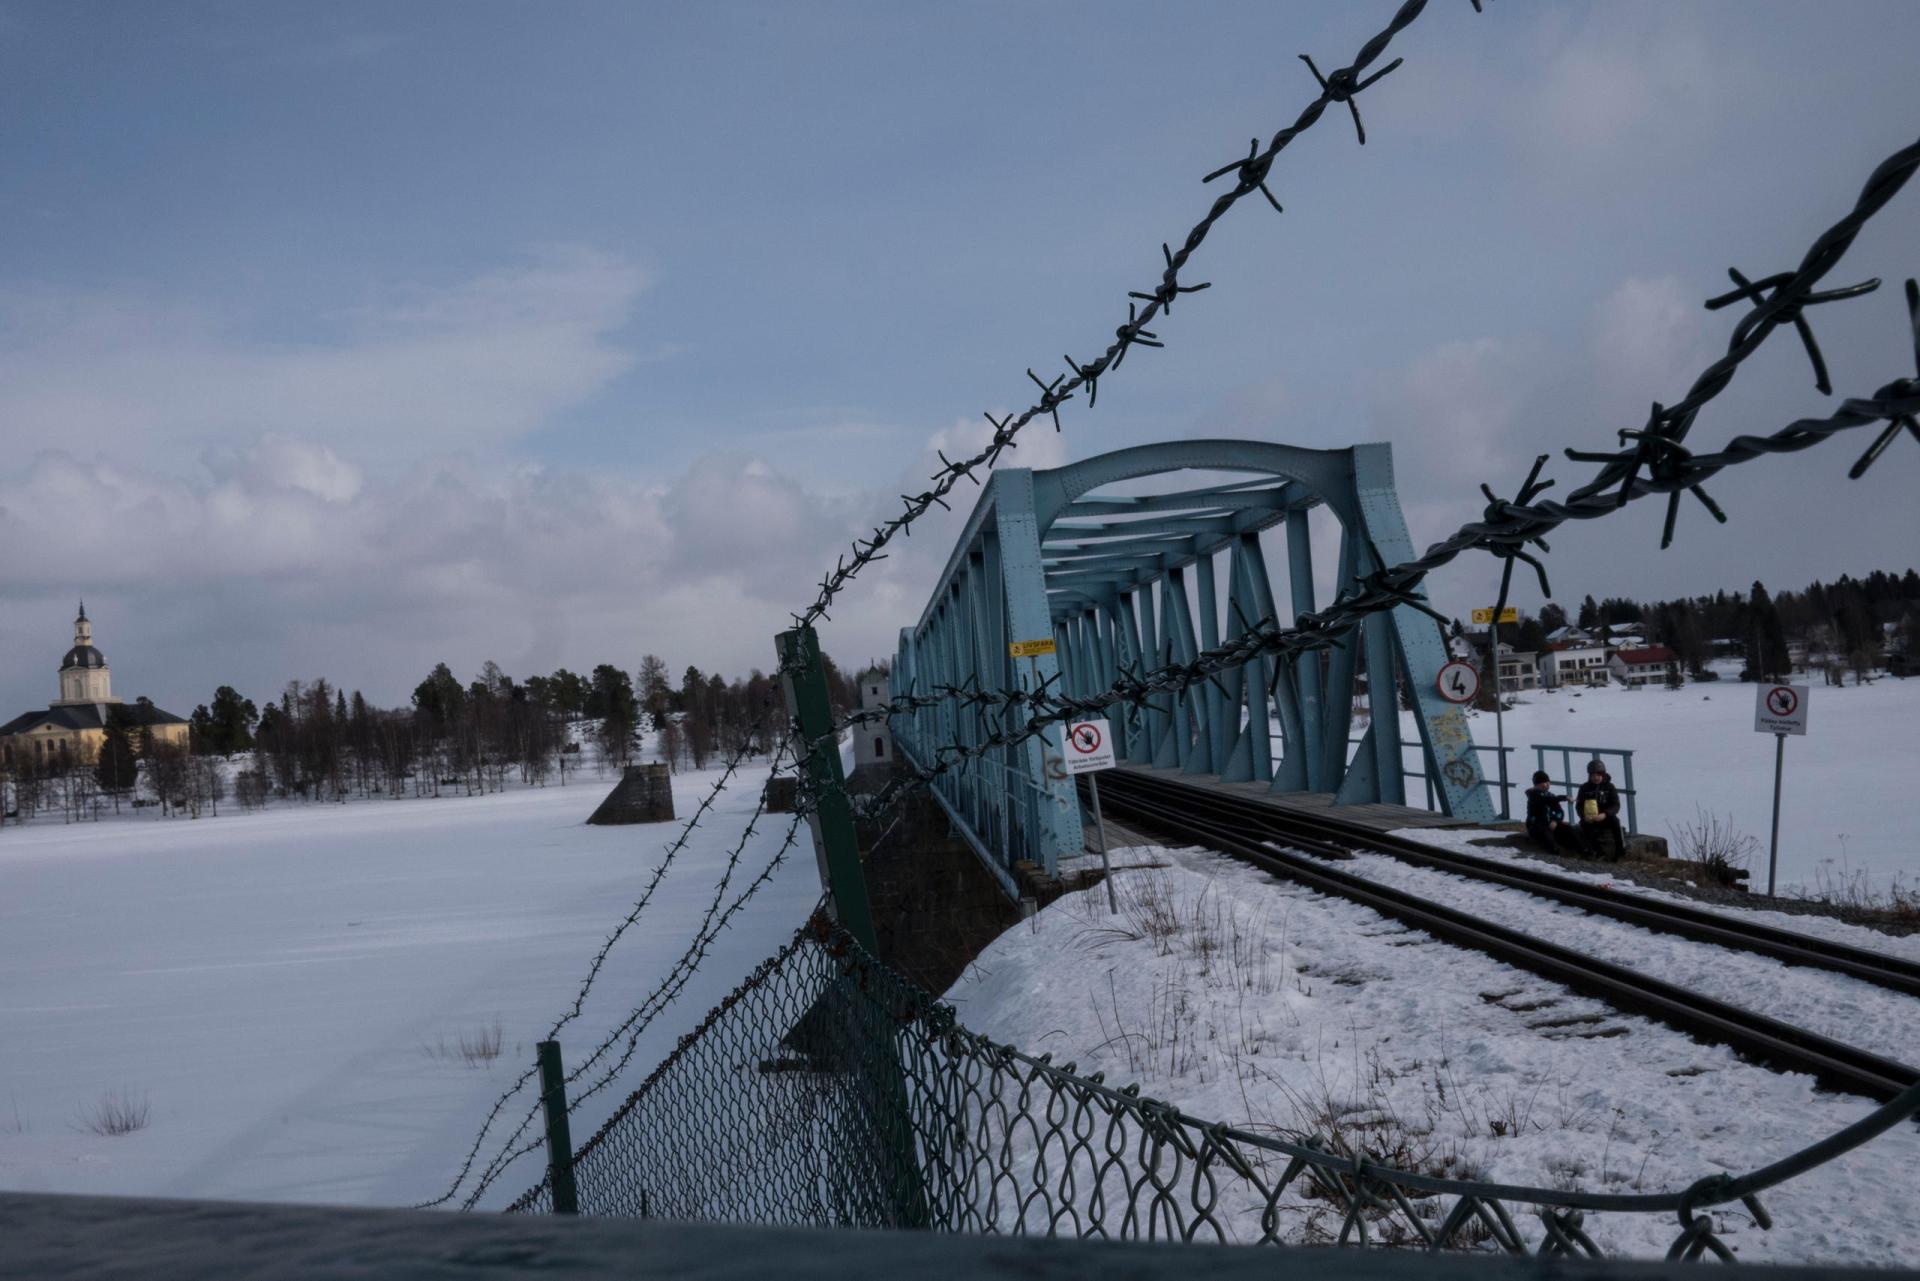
827, 1091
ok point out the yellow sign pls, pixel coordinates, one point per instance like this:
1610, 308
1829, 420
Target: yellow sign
1482, 617
1030, 649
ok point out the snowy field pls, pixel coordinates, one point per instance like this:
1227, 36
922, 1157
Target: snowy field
1847, 805
1272, 1006
286, 991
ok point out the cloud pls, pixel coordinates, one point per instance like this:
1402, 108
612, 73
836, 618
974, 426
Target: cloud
281, 558
1610, 99
469, 366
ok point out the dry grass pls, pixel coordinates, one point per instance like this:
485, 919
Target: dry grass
115, 1113
475, 1049
1721, 849
1851, 890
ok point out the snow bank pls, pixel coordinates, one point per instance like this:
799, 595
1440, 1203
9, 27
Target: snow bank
1254, 1001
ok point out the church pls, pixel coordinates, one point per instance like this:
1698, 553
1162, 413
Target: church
69, 730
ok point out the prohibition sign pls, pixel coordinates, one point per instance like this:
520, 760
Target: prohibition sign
1782, 701
1086, 739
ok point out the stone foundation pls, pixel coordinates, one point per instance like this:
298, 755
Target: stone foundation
644, 794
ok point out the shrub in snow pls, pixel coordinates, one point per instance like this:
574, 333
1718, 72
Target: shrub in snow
116, 1113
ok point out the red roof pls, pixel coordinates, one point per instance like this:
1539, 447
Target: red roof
1651, 654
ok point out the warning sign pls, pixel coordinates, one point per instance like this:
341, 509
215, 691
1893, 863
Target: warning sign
1780, 709
1030, 649
1481, 617
1089, 747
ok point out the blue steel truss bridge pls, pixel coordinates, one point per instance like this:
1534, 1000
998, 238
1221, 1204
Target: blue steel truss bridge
1061, 581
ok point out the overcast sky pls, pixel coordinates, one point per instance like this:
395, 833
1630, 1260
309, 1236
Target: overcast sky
342, 339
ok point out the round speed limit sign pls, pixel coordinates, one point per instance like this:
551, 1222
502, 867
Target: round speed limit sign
1458, 682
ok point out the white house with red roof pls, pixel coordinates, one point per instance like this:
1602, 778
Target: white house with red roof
1648, 666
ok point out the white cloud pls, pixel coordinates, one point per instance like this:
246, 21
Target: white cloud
468, 366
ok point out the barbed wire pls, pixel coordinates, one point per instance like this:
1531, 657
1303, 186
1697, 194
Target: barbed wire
1508, 527
1250, 175
747, 749
665, 992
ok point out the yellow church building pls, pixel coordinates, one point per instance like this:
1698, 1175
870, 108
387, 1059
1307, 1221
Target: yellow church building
69, 730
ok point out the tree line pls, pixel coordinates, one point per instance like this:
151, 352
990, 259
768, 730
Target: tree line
319, 742
1848, 625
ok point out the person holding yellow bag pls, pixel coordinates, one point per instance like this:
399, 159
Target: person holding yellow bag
1598, 806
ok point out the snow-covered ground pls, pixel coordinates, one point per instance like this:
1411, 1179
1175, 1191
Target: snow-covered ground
1847, 804
1268, 1004
287, 990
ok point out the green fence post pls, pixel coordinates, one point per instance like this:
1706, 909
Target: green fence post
804, 679
879, 1126
553, 1097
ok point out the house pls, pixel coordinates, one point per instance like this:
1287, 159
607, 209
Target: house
69, 730
1573, 663
1649, 666
1519, 669
1561, 635
873, 740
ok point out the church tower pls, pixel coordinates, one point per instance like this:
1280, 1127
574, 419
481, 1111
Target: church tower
83, 672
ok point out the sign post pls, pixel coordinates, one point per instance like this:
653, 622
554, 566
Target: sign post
1487, 616
1089, 749
1778, 710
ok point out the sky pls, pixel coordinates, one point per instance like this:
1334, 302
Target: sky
340, 340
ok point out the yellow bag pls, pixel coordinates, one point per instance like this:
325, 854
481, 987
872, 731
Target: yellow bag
1590, 808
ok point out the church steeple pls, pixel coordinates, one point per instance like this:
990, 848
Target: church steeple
84, 677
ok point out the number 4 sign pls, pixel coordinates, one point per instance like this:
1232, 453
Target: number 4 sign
1458, 682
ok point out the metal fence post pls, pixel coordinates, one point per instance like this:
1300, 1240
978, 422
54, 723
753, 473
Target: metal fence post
803, 677
553, 1097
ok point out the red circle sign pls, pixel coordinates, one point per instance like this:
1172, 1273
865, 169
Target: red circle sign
1458, 682
1782, 701
1086, 738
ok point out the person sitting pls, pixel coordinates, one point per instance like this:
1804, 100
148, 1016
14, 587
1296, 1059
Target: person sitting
1546, 815
1598, 805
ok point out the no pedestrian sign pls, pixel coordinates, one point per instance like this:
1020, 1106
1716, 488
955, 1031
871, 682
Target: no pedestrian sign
1089, 747
1780, 709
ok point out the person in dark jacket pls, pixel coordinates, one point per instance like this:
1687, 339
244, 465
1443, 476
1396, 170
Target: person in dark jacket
1546, 815
1598, 805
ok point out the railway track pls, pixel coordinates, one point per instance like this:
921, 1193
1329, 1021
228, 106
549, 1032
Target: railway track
1307, 848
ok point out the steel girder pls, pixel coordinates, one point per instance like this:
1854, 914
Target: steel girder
1131, 583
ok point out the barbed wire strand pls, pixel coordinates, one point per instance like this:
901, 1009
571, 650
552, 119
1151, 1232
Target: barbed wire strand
664, 994
1250, 175
733, 763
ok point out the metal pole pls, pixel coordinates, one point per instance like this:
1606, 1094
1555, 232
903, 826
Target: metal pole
1773, 855
1100, 829
553, 1097
1499, 715
804, 679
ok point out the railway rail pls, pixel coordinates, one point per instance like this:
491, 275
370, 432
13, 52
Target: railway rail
1307, 848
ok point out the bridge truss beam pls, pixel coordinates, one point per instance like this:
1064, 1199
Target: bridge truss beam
1133, 582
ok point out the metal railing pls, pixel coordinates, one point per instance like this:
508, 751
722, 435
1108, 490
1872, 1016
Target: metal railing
1571, 782
828, 1090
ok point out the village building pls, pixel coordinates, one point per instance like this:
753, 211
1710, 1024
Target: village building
873, 740
1573, 663
1649, 666
69, 730
1519, 669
